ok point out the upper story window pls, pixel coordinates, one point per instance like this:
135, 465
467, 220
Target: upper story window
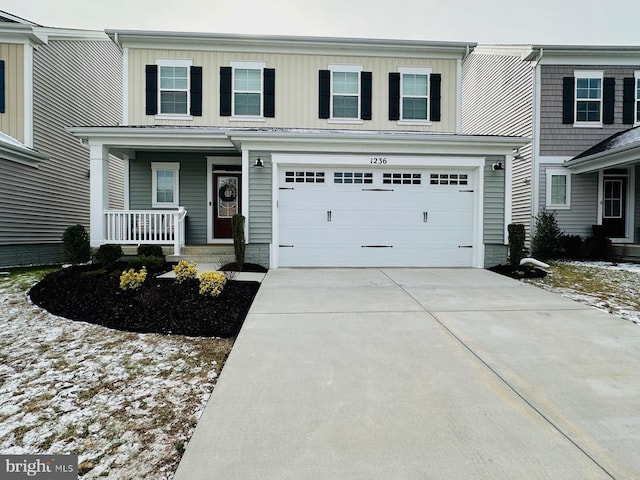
414, 96
247, 91
173, 89
558, 191
637, 99
588, 97
165, 183
345, 94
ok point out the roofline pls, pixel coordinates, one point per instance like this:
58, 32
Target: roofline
21, 154
610, 52
37, 35
201, 40
622, 155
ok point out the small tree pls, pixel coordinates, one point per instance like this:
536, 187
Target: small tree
545, 244
516, 243
237, 225
75, 245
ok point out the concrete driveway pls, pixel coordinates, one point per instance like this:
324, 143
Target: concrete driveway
421, 374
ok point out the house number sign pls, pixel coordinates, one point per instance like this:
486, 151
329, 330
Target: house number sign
378, 160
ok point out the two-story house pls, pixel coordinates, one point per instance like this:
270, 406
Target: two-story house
581, 107
50, 79
338, 152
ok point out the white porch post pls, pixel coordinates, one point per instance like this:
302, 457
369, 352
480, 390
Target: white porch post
99, 192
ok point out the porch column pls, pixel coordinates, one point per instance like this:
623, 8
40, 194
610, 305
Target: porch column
98, 192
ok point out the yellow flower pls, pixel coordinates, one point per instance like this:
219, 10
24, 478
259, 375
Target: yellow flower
212, 283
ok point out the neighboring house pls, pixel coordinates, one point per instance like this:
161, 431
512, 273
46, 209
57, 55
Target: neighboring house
50, 79
580, 105
337, 151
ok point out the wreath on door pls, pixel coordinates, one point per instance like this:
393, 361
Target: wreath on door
227, 192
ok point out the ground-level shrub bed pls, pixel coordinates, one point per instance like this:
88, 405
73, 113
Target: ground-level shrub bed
91, 294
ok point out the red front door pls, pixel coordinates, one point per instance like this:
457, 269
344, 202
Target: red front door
226, 203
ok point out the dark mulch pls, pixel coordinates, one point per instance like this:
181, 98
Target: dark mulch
91, 294
520, 272
245, 267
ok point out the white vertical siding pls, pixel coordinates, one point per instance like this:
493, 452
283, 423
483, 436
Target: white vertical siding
12, 120
296, 88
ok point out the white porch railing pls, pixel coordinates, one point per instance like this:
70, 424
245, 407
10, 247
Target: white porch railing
135, 227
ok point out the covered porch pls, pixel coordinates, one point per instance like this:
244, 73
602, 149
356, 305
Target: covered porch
162, 165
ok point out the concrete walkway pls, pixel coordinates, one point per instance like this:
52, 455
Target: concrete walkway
421, 374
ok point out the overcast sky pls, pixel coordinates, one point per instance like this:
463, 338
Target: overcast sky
582, 22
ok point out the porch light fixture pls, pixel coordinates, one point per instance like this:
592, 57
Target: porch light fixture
497, 166
259, 163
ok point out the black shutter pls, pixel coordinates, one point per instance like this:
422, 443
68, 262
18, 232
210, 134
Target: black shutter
435, 81
196, 91
366, 90
1, 86
394, 96
568, 92
628, 100
608, 100
225, 91
151, 89
324, 88
269, 75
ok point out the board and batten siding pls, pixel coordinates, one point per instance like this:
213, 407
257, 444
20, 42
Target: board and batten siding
497, 99
193, 188
584, 203
296, 89
12, 120
75, 83
558, 139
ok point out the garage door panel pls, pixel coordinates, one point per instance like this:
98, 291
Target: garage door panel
328, 224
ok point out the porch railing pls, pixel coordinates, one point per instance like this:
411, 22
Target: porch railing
135, 227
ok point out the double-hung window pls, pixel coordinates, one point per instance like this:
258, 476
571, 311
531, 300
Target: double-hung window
414, 95
588, 95
247, 89
637, 99
558, 188
173, 83
345, 91
165, 181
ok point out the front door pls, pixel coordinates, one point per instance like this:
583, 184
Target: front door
226, 188
614, 207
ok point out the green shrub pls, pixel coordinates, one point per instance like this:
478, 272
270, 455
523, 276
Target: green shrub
75, 245
107, 255
598, 247
545, 244
571, 247
151, 263
185, 270
516, 243
150, 251
237, 225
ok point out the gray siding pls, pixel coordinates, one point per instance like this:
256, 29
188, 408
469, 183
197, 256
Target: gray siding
584, 203
257, 253
558, 139
193, 188
260, 199
495, 255
493, 204
75, 83
497, 99
24, 255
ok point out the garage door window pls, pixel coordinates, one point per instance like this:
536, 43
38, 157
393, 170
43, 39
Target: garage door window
449, 179
402, 178
304, 177
352, 177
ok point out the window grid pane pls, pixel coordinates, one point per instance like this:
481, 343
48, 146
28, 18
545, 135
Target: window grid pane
345, 107
247, 88
173, 102
558, 190
164, 186
174, 85
588, 99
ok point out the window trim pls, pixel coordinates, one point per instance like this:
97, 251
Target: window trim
588, 74
165, 167
559, 172
636, 103
341, 68
242, 65
174, 62
415, 71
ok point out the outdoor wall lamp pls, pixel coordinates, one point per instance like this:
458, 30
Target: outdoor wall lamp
259, 163
497, 166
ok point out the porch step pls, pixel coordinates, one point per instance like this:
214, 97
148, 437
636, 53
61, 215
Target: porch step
626, 252
212, 254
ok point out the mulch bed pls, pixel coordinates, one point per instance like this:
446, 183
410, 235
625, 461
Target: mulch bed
520, 272
91, 294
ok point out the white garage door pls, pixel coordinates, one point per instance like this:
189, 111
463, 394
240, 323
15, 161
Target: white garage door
362, 217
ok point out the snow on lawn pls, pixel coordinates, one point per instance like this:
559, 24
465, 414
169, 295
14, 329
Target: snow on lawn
125, 403
612, 287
